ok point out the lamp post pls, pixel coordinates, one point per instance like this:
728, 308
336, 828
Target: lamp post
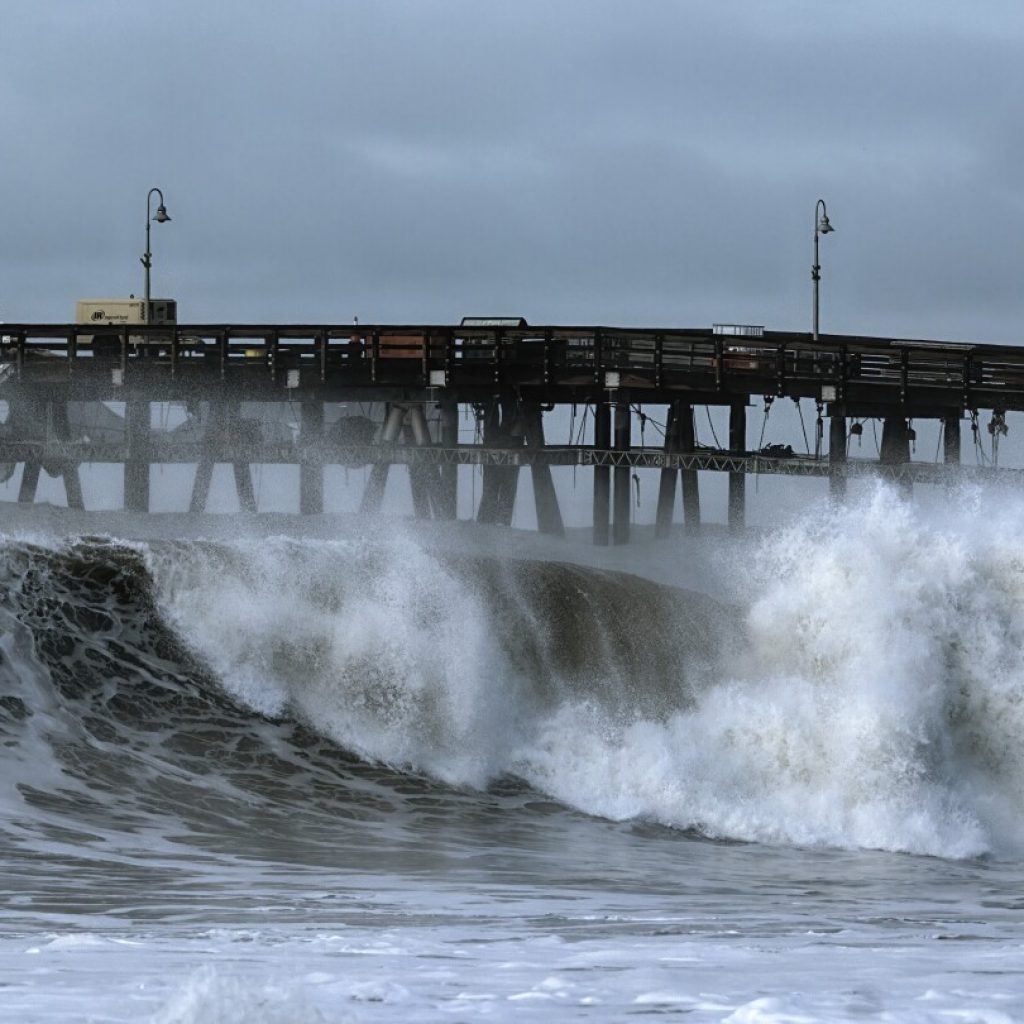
821, 227
161, 217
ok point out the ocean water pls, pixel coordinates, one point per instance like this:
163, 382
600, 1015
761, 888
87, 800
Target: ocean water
458, 775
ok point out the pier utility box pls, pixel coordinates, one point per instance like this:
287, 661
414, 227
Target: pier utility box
124, 311
118, 313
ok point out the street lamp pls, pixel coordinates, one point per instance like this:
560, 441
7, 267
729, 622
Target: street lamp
147, 258
821, 227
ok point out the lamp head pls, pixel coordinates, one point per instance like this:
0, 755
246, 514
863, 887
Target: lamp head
162, 216
824, 227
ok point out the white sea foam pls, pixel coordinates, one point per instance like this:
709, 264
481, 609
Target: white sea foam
876, 700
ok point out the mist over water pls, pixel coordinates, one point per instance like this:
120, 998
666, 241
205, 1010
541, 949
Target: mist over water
459, 706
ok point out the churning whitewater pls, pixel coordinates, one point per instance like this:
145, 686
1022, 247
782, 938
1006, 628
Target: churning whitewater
856, 683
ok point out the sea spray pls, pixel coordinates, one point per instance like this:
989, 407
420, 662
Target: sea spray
877, 701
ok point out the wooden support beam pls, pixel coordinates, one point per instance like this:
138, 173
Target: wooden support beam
29, 482
689, 479
242, 470
602, 474
136, 467
837, 456
667, 483
623, 442
951, 438
895, 447
243, 486
311, 468
448, 495
510, 435
429, 477
73, 487
418, 483
737, 481
545, 498
201, 486
216, 419
373, 495
500, 483
69, 470
25, 418
487, 509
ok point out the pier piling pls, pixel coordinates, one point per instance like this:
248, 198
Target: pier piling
549, 515
136, 466
602, 474
213, 436
837, 456
951, 438
23, 417
895, 447
449, 487
688, 477
737, 480
311, 468
622, 499
69, 468
667, 481
29, 482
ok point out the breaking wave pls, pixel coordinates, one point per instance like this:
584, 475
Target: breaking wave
859, 684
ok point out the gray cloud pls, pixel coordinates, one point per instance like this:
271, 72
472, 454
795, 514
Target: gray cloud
574, 162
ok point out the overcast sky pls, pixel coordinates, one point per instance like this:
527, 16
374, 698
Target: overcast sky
573, 161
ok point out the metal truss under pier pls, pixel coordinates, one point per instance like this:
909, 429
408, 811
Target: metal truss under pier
710, 460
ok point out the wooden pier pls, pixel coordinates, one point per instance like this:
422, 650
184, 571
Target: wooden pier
409, 383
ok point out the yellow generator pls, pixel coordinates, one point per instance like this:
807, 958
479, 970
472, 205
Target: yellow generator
117, 312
